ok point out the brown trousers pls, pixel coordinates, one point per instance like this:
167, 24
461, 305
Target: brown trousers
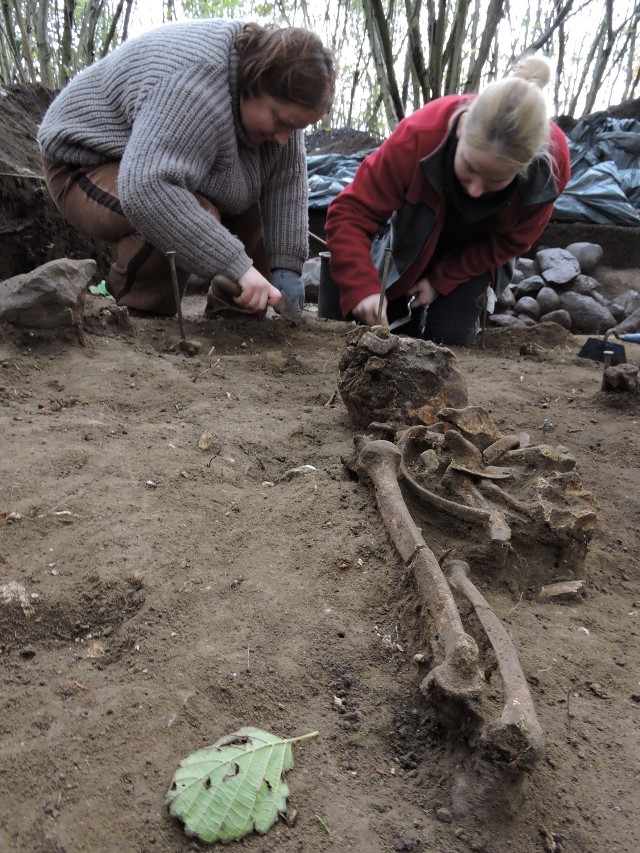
140, 275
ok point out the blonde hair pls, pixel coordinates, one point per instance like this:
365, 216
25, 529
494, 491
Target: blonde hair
510, 117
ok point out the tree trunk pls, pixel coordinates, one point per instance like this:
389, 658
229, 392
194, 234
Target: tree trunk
384, 68
414, 10
495, 13
42, 44
384, 35
453, 51
26, 45
66, 50
437, 33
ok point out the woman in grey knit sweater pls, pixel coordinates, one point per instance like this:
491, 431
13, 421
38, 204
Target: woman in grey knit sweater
189, 139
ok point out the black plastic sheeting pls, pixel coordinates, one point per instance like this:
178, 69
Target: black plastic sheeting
329, 174
605, 173
605, 178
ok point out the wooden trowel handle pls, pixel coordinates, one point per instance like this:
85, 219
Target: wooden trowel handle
228, 286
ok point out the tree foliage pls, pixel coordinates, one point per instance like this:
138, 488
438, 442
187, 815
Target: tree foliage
393, 55
48, 41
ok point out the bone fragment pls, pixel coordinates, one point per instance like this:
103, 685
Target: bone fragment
497, 450
466, 457
499, 529
379, 345
473, 422
562, 589
516, 737
495, 493
455, 682
542, 457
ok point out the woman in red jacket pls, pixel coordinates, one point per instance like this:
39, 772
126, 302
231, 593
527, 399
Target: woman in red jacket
458, 191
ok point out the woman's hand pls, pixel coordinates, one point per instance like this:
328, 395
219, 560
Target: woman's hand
257, 292
367, 311
424, 292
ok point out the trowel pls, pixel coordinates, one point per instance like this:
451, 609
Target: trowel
595, 349
230, 288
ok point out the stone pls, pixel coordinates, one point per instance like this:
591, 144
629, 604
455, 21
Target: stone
526, 319
527, 267
559, 316
557, 265
506, 299
587, 316
625, 304
444, 814
528, 286
311, 279
584, 284
548, 300
630, 324
588, 255
529, 306
505, 320
617, 312
49, 297
621, 377
517, 276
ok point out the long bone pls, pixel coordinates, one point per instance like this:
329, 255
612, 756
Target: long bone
454, 684
515, 738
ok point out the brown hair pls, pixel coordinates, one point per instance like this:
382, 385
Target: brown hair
289, 64
510, 117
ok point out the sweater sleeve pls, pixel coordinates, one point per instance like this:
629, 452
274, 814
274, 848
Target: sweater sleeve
284, 204
183, 128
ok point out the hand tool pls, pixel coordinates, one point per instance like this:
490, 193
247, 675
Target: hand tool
231, 289
595, 349
190, 347
383, 284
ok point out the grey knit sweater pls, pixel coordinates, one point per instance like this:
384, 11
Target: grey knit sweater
166, 105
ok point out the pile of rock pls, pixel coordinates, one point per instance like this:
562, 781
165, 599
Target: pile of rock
556, 286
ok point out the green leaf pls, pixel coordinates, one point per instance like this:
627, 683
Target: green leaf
225, 791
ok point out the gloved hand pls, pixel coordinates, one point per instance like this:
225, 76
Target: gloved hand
289, 282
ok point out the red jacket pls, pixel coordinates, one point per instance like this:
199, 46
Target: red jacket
403, 182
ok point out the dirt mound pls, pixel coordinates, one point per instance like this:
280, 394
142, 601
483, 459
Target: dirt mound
627, 109
514, 340
21, 110
340, 141
32, 231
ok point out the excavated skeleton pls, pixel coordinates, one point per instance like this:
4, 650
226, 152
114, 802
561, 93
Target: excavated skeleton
504, 494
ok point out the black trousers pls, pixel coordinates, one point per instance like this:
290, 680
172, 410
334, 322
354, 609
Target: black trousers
452, 319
